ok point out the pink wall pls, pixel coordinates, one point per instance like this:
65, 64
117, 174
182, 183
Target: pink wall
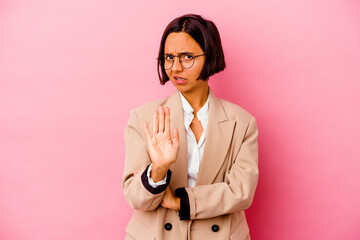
70, 71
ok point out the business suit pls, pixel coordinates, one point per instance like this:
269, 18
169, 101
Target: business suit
226, 180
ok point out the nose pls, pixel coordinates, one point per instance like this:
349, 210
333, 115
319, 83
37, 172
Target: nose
176, 65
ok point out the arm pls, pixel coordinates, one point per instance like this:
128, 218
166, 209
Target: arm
137, 159
161, 153
235, 193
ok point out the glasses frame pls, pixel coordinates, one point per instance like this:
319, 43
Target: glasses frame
173, 60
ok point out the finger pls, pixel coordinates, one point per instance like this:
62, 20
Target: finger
167, 120
175, 138
147, 132
169, 192
155, 123
161, 120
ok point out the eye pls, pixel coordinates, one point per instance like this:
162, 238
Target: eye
169, 57
188, 57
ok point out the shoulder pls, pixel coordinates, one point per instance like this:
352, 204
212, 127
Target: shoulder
245, 121
146, 110
235, 112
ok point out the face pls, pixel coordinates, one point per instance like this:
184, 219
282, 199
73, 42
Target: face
184, 79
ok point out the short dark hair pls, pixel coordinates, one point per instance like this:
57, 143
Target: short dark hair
205, 33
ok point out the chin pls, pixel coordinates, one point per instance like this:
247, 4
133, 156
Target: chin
180, 88
183, 87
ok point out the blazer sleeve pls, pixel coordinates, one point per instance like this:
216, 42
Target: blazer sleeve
137, 190
235, 193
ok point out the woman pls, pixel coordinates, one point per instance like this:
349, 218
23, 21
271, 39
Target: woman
195, 182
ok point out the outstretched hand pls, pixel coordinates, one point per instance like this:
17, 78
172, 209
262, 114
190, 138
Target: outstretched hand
163, 148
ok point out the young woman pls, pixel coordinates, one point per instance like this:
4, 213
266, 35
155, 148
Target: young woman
194, 172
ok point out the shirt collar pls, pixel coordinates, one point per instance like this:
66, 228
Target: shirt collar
203, 112
185, 104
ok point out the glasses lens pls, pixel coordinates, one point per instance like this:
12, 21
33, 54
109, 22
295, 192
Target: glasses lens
168, 62
186, 60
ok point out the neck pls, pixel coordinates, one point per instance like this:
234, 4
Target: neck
197, 98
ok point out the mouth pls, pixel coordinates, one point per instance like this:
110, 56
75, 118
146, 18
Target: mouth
179, 80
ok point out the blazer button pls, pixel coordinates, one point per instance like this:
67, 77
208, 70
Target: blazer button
215, 228
168, 226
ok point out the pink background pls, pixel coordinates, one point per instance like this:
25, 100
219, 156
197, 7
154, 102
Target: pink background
70, 71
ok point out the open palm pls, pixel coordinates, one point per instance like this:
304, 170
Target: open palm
163, 149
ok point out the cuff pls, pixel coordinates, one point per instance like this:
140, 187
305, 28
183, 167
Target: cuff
155, 190
151, 182
184, 212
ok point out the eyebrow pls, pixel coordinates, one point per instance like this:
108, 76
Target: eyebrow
180, 53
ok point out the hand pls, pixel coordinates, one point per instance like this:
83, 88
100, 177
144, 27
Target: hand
170, 201
163, 149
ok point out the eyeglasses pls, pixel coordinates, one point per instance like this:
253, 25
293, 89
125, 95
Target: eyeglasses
186, 60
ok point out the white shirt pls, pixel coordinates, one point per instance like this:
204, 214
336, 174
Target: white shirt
195, 149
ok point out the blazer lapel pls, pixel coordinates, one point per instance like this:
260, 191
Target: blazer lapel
179, 168
218, 138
